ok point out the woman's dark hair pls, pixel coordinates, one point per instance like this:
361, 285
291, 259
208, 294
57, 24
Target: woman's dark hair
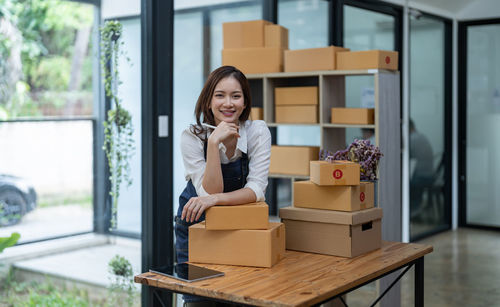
203, 109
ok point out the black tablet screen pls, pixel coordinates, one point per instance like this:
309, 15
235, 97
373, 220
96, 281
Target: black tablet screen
186, 272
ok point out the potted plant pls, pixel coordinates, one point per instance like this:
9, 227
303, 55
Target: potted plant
118, 142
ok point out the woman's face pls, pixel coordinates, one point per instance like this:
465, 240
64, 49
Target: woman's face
227, 101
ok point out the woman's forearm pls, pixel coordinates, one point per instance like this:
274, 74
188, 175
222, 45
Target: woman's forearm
238, 197
212, 179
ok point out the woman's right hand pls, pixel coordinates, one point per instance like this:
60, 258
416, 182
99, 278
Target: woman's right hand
223, 132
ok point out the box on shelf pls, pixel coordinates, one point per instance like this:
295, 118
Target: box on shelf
292, 160
369, 59
312, 59
335, 173
258, 248
307, 194
345, 234
300, 95
244, 34
257, 113
248, 216
275, 36
296, 114
254, 60
359, 116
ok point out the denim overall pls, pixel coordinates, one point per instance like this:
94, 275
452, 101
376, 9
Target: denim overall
234, 175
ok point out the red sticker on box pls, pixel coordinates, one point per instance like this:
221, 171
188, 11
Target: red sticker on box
387, 60
362, 196
337, 174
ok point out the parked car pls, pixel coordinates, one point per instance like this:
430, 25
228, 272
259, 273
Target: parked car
17, 197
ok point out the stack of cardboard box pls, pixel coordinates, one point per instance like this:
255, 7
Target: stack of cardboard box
296, 104
334, 212
255, 46
237, 235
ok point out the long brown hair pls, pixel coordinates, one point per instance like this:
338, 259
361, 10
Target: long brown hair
203, 112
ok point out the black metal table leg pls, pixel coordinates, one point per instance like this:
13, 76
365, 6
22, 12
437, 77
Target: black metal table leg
419, 282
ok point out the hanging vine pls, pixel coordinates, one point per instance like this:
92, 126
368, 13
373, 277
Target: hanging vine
118, 141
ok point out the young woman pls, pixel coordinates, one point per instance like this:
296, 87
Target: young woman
228, 165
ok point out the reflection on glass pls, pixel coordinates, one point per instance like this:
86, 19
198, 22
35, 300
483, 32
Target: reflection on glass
427, 105
483, 124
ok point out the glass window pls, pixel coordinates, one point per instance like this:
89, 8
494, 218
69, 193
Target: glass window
483, 124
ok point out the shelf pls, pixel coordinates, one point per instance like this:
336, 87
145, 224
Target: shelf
320, 73
285, 176
347, 126
291, 124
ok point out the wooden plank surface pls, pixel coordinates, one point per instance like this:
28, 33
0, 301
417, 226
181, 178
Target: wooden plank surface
300, 279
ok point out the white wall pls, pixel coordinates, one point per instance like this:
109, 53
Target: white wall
480, 9
120, 8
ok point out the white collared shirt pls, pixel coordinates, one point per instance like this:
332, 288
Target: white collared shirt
254, 140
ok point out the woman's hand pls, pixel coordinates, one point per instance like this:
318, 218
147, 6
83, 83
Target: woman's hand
195, 207
223, 132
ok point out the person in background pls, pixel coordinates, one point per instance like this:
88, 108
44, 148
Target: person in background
422, 156
226, 156
368, 134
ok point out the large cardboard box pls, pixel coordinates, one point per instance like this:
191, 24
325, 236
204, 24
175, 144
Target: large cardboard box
368, 60
292, 160
335, 173
345, 234
296, 114
258, 248
301, 95
248, 216
257, 113
244, 34
312, 59
254, 60
275, 36
358, 116
307, 194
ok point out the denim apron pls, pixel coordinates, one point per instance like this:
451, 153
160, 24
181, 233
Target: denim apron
234, 175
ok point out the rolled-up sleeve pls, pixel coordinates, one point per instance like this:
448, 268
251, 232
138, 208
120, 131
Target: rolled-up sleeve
194, 160
259, 155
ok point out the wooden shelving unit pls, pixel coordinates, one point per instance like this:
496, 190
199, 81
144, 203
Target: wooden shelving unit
332, 93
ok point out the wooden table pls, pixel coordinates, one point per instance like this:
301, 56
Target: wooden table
302, 279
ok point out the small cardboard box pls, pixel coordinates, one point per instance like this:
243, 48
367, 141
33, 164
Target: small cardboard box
301, 95
335, 173
254, 60
359, 116
244, 34
307, 194
258, 248
344, 234
249, 216
368, 60
296, 114
257, 113
275, 36
312, 59
292, 160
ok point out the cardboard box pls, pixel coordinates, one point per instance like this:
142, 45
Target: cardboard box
257, 113
307, 194
312, 59
296, 114
302, 95
249, 216
258, 248
368, 60
359, 116
275, 36
345, 234
292, 160
335, 173
254, 60
244, 34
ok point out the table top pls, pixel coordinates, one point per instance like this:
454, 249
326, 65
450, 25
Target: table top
300, 279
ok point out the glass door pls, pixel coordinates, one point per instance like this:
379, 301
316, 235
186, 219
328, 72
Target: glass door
480, 123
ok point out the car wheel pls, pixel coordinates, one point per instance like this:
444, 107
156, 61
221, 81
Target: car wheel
12, 207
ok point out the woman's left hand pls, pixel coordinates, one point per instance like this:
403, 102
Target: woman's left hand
195, 207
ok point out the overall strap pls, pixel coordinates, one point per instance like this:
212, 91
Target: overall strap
244, 169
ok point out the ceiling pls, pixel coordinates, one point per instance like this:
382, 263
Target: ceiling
452, 6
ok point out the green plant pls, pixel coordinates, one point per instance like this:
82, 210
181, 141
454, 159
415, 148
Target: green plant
122, 281
9, 241
118, 129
